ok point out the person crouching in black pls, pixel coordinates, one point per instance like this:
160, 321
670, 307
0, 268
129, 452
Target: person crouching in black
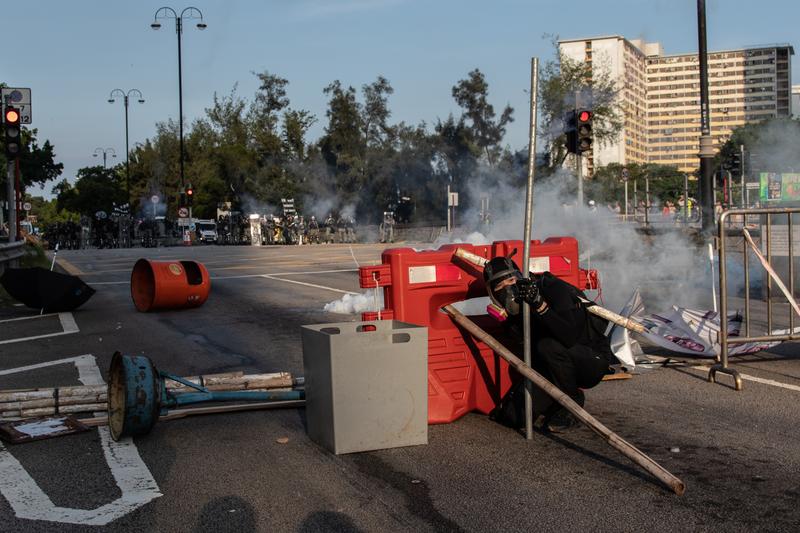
568, 344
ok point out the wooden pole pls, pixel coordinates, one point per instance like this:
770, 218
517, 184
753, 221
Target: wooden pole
630, 451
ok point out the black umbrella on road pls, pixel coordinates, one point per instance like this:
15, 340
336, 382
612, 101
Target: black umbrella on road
44, 289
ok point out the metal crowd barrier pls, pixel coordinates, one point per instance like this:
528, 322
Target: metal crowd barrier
765, 216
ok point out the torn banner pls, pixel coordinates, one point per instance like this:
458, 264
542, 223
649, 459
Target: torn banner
682, 330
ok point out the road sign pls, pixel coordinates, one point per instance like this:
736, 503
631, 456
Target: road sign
183, 212
19, 97
26, 206
625, 174
155, 198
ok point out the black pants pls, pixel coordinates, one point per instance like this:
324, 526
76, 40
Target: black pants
569, 369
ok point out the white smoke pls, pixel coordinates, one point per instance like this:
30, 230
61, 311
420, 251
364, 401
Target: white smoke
669, 268
351, 304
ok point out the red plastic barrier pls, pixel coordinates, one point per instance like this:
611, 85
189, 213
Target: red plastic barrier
463, 375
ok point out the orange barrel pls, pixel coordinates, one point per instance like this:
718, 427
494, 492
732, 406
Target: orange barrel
169, 284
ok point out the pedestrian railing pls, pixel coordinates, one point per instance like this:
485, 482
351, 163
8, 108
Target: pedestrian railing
776, 236
10, 252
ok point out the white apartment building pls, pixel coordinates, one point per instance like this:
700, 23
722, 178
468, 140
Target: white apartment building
660, 96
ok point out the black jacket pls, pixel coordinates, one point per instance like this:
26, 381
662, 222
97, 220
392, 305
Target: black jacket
567, 319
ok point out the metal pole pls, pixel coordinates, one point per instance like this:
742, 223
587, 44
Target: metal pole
578, 160
11, 195
706, 142
18, 196
447, 203
626, 200
686, 198
741, 171
127, 152
526, 247
635, 199
179, 29
647, 201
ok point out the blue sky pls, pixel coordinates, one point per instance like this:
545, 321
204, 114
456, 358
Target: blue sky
72, 54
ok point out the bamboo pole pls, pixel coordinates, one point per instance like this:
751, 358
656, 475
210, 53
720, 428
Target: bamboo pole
611, 316
43, 401
193, 411
627, 449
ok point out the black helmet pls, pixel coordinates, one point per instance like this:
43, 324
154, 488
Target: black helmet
495, 271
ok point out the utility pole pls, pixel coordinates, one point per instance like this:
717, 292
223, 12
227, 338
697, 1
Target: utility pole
578, 160
706, 142
741, 172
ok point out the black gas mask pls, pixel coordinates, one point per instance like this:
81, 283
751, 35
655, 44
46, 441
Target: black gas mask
495, 274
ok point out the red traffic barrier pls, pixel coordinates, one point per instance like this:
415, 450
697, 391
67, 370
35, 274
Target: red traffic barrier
169, 284
463, 374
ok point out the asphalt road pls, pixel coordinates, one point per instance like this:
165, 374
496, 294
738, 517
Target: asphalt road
737, 452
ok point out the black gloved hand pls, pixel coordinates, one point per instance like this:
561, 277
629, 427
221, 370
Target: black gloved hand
529, 293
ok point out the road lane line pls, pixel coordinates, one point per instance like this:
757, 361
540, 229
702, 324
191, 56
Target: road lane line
756, 379
271, 276
68, 325
131, 475
69, 267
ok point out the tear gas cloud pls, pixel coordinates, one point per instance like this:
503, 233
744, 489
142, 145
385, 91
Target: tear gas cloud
668, 267
350, 304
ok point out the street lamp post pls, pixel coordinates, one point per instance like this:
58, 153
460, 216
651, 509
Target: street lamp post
105, 152
189, 13
125, 99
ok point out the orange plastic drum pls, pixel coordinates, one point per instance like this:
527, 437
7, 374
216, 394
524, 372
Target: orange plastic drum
169, 284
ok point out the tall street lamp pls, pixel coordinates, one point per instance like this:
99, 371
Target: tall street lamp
189, 13
105, 152
125, 99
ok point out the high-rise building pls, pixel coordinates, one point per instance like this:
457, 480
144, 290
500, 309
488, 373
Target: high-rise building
796, 101
660, 96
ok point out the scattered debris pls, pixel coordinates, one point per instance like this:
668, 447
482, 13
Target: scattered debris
40, 428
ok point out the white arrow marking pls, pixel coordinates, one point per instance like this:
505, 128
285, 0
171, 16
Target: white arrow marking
132, 476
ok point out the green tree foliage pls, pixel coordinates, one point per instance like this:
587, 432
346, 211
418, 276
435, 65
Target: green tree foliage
666, 183
96, 189
770, 146
485, 132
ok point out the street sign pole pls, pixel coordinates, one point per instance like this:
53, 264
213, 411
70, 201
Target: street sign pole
11, 196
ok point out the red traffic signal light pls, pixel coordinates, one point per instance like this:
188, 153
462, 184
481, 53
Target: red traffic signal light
12, 116
584, 130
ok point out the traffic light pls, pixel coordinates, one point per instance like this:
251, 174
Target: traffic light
182, 200
583, 127
12, 128
189, 195
571, 132
735, 165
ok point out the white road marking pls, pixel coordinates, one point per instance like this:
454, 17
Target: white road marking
68, 325
756, 379
272, 276
242, 276
131, 475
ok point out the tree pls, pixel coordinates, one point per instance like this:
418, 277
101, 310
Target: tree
96, 189
485, 132
770, 145
666, 182
343, 144
566, 84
